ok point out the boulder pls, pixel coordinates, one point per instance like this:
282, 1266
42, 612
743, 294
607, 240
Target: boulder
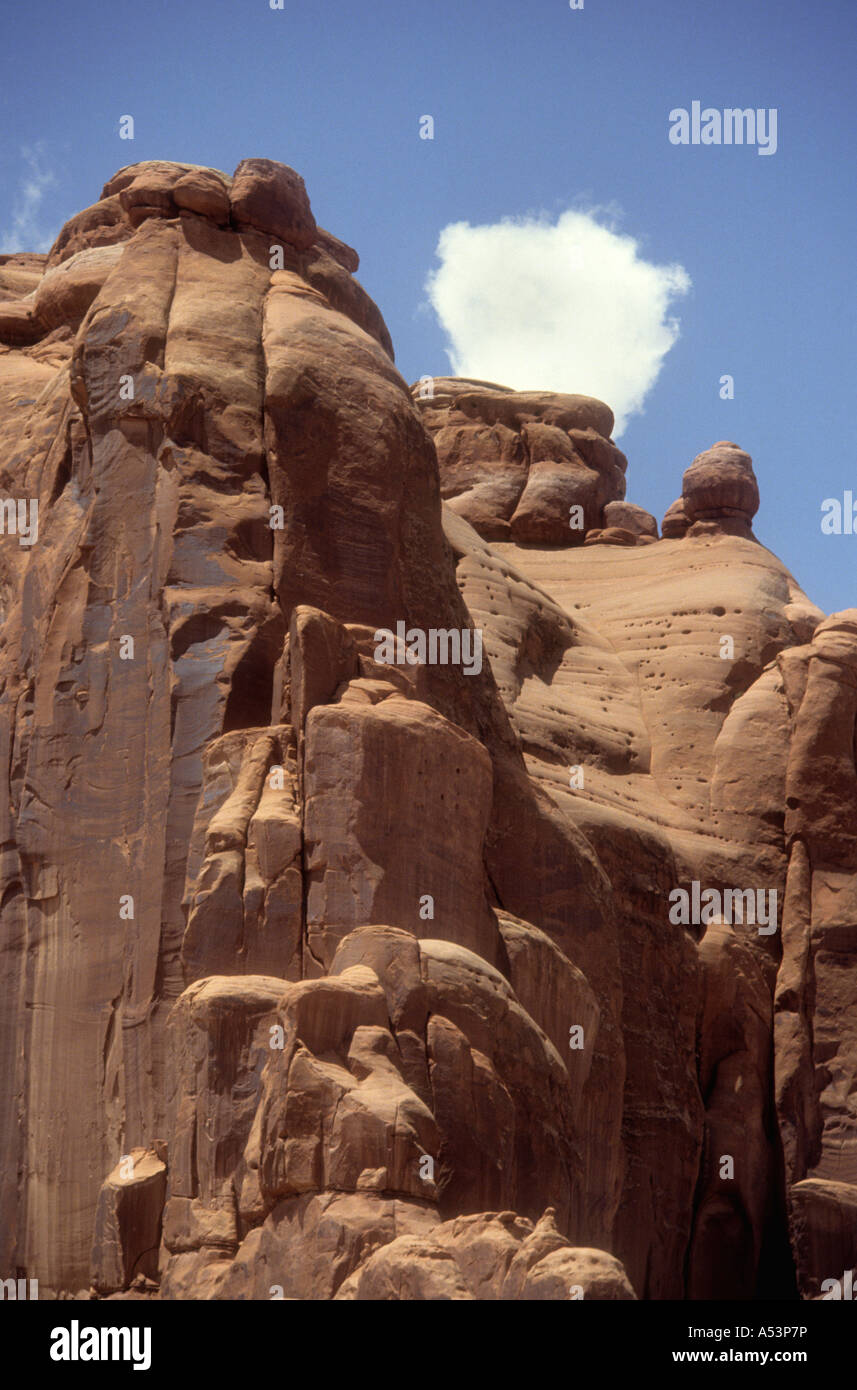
128, 1220
720, 487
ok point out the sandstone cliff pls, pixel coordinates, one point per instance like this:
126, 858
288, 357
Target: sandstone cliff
331, 975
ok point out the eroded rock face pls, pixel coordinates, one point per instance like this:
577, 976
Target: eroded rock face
815, 1022
676, 521
720, 487
515, 463
690, 734
128, 1221
332, 973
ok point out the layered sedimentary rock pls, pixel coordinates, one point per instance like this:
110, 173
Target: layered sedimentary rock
661, 695
337, 965
719, 494
515, 464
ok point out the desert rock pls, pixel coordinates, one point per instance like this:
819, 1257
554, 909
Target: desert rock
368, 963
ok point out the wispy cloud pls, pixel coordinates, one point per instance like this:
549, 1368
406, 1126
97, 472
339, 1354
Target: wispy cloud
26, 230
565, 306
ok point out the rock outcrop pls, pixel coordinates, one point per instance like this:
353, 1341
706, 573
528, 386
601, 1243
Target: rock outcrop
366, 761
530, 466
719, 495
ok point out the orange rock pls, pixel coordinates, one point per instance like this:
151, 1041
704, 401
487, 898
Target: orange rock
383, 950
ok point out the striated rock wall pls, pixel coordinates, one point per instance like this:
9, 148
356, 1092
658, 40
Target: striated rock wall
331, 974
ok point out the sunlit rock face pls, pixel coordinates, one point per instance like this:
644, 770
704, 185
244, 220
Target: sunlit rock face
515, 464
340, 975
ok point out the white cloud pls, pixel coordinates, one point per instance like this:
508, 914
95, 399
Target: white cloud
26, 231
569, 306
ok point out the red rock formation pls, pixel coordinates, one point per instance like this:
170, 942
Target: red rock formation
334, 976
515, 463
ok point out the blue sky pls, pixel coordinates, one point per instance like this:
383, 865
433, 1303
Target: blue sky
538, 110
